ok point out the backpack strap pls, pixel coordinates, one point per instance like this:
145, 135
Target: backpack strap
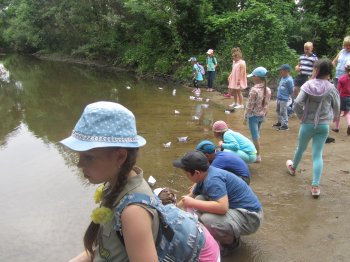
152, 201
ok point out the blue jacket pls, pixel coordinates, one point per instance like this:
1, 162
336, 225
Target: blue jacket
285, 88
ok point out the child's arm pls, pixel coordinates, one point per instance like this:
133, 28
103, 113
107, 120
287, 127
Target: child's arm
242, 70
230, 142
299, 104
137, 232
195, 73
290, 86
335, 60
219, 206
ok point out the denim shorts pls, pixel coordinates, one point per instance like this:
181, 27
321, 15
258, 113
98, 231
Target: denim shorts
254, 123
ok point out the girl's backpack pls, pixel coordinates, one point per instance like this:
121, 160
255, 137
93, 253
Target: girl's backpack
201, 68
180, 236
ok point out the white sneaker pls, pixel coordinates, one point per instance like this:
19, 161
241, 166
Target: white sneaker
258, 159
291, 169
239, 106
233, 105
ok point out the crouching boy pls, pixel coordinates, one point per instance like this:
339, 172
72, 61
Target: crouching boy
225, 204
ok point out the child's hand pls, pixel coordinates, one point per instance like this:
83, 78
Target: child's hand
297, 68
220, 143
187, 201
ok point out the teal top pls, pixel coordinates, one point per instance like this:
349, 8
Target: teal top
211, 62
197, 72
235, 141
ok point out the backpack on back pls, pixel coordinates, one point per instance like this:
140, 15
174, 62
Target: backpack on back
201, 68
180, 236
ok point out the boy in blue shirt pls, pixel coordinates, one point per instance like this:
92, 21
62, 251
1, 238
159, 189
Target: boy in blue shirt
225, 204
225, 160
284, 92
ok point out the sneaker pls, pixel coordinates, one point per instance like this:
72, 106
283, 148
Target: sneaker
290, 167
330, 140
258, 159
277, 124
335, 130
233, 105
348, 131
283, 128
239, 106
315, 191
227, 250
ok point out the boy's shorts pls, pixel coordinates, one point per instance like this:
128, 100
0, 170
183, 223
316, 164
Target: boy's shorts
300, 80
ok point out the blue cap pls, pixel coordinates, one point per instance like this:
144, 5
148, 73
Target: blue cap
284, 67
192, 59
206, 147
259, 71
104, 124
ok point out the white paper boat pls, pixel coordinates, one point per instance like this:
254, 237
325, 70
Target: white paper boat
192, 98
227, 112
151, 181
199, 98
176, 112
128, 87
207, 100
195, 118
182, 138
160, 88
204, 105
167, 145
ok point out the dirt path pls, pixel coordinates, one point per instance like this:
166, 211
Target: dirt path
296, 227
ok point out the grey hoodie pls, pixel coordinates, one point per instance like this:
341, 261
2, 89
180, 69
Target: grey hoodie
317, 103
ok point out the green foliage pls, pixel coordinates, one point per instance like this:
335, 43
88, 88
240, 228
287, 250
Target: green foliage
158, 36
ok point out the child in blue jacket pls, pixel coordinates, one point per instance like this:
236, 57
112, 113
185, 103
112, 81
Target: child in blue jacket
284, 92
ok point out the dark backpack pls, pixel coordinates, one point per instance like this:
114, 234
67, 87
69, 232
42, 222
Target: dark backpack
180, 236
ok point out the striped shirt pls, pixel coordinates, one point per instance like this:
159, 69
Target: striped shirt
306, 64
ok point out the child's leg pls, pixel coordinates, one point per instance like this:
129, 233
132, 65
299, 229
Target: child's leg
337, 122
318, 141
305, 134
240, 97
347, 117
242, 155
254, 123
278, 109
234, 93
283, 113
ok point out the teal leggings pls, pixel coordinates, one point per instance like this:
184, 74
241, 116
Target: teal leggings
319, 136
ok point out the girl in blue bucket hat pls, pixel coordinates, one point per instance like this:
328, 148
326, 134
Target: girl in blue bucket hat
126, 224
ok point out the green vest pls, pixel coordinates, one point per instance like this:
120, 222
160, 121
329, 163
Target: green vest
109, 247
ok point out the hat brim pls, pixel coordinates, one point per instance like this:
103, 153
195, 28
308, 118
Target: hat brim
79, 145
178, 163
250, 75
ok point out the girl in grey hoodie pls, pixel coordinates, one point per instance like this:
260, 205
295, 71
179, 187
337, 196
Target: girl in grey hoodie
317, 105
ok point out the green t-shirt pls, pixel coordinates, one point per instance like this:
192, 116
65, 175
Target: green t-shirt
211, 62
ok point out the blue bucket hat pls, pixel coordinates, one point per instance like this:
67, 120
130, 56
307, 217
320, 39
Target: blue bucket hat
259, 71
206, 147
192, 59
104, 124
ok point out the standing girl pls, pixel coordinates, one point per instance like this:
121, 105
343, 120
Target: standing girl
212, 63
344, 91
237, 80
106, 140
317, 105
257, 106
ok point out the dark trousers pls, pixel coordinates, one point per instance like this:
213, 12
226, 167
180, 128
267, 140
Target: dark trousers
211, 77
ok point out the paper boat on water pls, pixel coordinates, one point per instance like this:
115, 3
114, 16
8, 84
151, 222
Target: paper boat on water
167, 145
205, 105
199, 98
182, 138
176, 112
151, 181
207, 100
227, 112
195, 118
128, 87
192, 98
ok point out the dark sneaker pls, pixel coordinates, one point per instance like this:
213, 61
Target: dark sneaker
283, 128
335, 130
330, 140
227, 250
278, 124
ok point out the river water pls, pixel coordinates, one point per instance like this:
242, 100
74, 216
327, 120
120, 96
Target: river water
46, 202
